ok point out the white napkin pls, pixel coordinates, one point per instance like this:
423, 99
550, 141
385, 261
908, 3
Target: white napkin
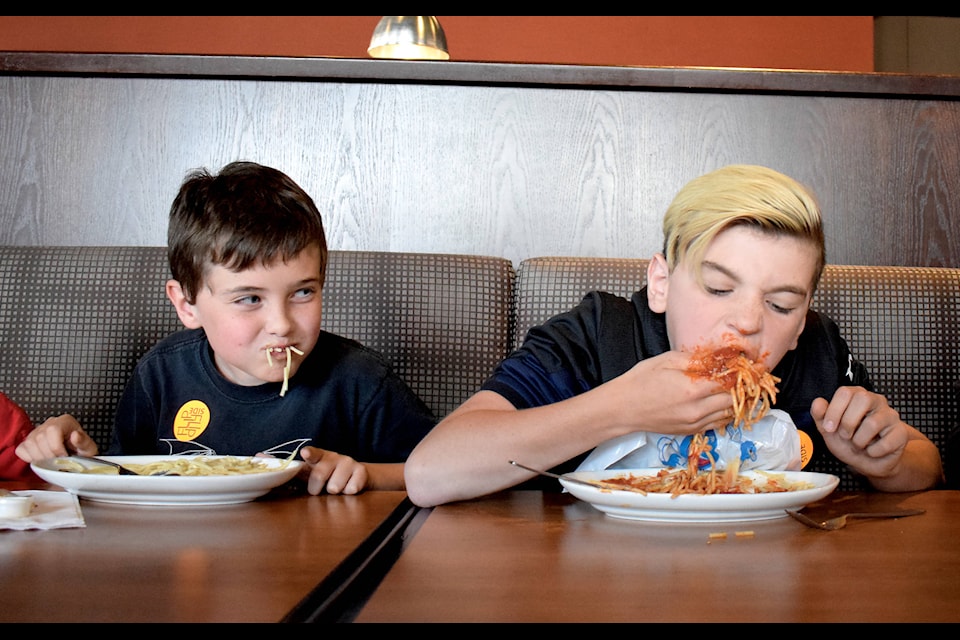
51, 510
772, 444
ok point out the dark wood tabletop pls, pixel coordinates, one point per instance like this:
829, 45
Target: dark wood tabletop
262, 561
547, 557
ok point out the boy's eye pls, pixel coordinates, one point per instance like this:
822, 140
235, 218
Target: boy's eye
780, 309
248, 300
713, 291
306, 292
777, 308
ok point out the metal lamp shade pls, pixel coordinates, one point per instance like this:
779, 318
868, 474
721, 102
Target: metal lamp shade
409, 38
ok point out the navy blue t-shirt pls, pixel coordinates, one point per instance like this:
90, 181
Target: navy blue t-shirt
605, 335
344, 398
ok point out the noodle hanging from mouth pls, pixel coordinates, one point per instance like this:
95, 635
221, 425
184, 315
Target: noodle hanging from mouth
286, 368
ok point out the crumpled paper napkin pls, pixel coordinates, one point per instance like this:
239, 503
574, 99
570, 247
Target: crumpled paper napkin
51, 510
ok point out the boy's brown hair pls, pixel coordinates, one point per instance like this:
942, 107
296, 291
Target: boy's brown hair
248, 214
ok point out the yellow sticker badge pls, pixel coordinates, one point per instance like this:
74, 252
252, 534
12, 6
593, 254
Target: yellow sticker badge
806, 448
192, 419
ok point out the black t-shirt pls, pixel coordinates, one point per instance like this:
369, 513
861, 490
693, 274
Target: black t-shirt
344, 398
605, 335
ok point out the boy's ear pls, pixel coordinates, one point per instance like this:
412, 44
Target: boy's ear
658, 283
185, 311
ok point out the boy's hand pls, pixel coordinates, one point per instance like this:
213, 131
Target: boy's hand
60, 436
663, 397
333, 472
862, 430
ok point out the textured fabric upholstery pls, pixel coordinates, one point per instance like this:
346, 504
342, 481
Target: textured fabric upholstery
548, 286
442, 320
902, 322
75, 320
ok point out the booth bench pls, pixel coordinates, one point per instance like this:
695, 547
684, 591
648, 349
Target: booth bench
74, 320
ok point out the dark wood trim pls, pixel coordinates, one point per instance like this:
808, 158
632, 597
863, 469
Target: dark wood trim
482, 73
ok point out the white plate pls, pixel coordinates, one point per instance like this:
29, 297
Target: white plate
663, 507
163, 491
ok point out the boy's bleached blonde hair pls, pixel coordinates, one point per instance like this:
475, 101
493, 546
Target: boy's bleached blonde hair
740, 194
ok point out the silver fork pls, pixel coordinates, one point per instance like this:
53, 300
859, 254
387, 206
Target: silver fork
123, 471
597, 484
832, 524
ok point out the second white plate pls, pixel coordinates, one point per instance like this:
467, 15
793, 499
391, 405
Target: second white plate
663, 507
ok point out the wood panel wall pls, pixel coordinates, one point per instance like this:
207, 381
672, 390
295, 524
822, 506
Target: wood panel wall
505, 160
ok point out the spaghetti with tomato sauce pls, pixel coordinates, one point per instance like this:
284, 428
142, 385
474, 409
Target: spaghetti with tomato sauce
690, 481
753, 389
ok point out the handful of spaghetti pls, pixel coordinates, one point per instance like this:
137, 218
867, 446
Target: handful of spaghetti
753, 389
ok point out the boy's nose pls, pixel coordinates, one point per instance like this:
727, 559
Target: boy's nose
748, 319
279, 323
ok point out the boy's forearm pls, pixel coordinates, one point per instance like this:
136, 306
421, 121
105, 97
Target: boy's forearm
385, 477
920, 469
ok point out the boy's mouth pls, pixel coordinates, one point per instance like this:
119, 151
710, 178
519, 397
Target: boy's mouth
281, 352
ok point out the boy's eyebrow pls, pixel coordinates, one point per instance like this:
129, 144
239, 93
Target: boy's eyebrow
707, 264
315, 280
242, 289
253, 289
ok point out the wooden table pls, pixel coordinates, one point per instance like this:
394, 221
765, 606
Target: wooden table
280, 558
535, 557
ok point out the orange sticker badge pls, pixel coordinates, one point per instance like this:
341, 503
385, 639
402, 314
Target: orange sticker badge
192, 419
806, 448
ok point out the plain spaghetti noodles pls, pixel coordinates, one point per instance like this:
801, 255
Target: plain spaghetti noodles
206, 466
286, 368
184, 466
